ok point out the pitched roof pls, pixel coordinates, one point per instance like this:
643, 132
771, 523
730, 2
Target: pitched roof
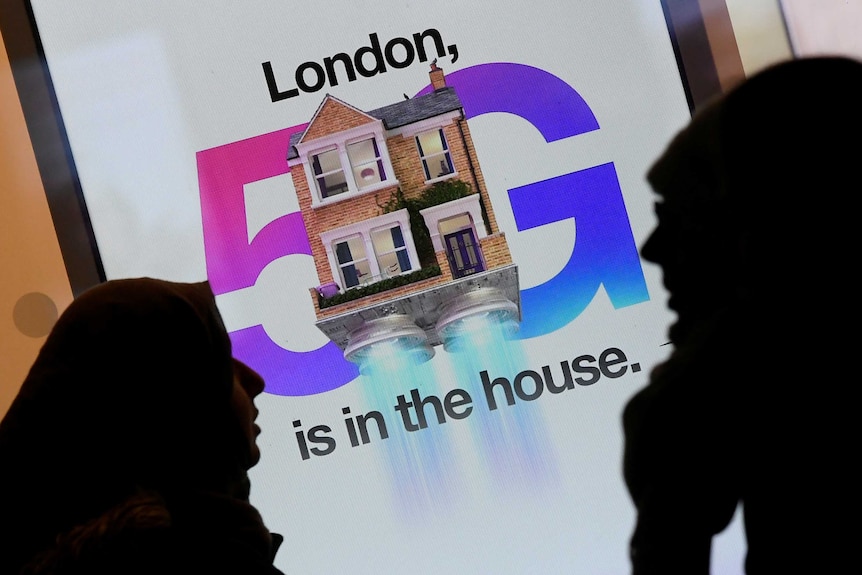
403, 113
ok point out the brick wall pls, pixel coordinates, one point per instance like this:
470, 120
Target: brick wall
335, 117
443, 262
325, 218
477, 172
495, 249
407, 165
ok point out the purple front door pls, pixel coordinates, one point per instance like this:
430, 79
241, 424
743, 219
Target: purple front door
465, 258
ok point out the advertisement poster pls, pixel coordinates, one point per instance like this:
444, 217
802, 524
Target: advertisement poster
422, 225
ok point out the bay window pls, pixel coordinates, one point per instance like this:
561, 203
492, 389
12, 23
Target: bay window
371, 250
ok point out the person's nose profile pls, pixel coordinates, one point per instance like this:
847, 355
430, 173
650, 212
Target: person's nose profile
250, 380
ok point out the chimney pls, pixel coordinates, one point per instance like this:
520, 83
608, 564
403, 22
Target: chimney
438, 78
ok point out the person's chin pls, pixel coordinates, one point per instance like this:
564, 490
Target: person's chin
693, 321
678, 332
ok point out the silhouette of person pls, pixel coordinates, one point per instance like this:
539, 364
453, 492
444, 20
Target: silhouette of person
757, 243
127, 447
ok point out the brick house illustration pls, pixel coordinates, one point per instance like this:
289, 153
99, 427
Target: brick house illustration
402, 232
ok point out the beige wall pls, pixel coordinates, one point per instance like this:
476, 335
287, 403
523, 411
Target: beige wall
760, 33
33, 282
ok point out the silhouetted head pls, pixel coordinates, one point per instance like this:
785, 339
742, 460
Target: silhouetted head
135, 388
755, 194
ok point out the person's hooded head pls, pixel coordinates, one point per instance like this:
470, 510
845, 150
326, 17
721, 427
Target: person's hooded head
756, 195
134, 389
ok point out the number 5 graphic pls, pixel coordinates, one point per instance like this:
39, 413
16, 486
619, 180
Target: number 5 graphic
604, 253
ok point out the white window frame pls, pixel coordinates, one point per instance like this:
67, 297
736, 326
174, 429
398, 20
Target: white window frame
364, 229
427, 159
340, 140
441, 121
378, 255
374, 162
316, 177
466, 205
353, 262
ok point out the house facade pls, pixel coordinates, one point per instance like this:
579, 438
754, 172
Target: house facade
395, 204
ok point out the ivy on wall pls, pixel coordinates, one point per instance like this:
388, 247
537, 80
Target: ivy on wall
434, 195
